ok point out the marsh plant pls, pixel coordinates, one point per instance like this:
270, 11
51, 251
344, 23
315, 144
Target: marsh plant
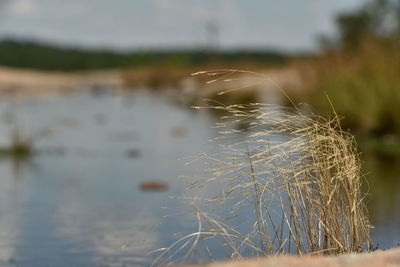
290, 183
20, 146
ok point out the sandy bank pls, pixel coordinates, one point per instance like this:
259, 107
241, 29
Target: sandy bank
183, 88
374, 259
18, 82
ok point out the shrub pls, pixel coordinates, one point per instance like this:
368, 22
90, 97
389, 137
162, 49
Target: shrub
363, 84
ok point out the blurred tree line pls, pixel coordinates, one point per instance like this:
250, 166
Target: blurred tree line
360, 70
23, 54
377, 19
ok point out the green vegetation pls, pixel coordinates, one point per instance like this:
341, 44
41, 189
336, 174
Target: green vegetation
387, 146
364, 86
19, 147
49, 57
361, 74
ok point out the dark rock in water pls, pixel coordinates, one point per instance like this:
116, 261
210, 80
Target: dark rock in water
133, 153
153, 186
100, 89
178, 131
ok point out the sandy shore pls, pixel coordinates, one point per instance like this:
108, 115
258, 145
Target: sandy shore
33, 83
22, 83
374, 259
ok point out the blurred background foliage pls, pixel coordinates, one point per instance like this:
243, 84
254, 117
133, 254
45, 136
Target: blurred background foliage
27, 54
360, 70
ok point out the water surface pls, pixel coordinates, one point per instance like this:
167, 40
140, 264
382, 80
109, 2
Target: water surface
78, 202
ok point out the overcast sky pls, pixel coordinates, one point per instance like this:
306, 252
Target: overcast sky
290, 25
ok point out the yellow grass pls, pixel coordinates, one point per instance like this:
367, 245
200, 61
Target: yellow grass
291, 183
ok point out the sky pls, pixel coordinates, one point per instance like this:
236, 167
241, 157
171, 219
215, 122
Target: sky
289, 25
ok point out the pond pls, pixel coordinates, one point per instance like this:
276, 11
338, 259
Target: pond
79, 200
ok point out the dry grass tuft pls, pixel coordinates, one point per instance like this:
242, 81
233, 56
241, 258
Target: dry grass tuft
290, 183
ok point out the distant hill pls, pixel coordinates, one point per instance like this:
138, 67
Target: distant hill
25, 54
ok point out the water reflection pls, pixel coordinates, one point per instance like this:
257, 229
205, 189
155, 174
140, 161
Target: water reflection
383, 176
12, 196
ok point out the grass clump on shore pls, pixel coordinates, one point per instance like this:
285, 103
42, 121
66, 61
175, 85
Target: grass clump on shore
290, 183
